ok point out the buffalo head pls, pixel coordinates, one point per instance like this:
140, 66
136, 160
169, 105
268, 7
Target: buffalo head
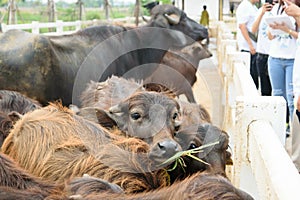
170, 17
152, 116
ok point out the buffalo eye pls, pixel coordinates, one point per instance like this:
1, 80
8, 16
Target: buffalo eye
175, 115
135, 116
192, 146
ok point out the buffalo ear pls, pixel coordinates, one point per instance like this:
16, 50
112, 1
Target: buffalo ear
228, 158
146, 19
119, 113
104, 120
14, 116
97, 115
161, 21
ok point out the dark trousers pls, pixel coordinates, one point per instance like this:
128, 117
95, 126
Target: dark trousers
253, 68
262, 67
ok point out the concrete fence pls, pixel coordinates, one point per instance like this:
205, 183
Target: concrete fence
256, 125
60, 27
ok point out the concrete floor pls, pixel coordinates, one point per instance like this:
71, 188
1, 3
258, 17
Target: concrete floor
208, 88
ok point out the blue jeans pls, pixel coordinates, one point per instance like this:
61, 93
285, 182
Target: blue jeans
281, 77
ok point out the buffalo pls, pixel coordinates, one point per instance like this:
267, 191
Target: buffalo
55, 144
178, 68
48, 68
214, 157
16, 101
16, 183
200, 186
12, 106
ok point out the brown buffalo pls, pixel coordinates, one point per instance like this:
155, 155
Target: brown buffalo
122, 103
193, 113
109, 93
217, 155
55, 144
12, 106
16, 182
6, 124
178, 68
200, 186
15, 101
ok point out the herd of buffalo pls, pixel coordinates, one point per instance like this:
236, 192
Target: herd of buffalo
95, 115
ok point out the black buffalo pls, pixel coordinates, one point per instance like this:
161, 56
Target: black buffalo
47, 68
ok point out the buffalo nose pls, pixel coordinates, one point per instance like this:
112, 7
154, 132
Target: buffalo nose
168, 147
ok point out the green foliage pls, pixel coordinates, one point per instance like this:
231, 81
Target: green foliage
92, 3
166, 1
94, 15
39, 13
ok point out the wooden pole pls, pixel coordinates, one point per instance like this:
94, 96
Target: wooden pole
221, 10
80, 4
12, 12
106, 5
51, 11
137, 12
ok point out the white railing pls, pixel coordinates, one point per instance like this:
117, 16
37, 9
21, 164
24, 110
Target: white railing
59, 25
256, 125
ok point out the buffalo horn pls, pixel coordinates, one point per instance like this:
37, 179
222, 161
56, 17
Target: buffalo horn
146, 19
173, 18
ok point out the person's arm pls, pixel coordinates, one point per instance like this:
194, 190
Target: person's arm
266, 7
296, 81
245, 34
284, 28
270, 36
292, 9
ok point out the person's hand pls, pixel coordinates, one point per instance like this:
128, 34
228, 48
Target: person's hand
252, 50
266, 7
291, 9
280, 26
298, 103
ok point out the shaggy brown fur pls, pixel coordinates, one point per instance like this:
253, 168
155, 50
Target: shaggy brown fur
88, 185
5, 125
15, 101
105, 94
200, 186
12, 106
9, 193
13, 178
56, 145
193, 113
156, 87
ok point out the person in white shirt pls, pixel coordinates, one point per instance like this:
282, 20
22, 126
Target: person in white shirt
262, 48
293, 10
281, 58
245, 16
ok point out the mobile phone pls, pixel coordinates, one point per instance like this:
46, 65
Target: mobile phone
269, 1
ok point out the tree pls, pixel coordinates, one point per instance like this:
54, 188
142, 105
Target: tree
12, 12
106, 7
51, 11
137, 12
80, 4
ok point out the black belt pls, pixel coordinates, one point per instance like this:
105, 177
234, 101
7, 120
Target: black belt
262, 54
